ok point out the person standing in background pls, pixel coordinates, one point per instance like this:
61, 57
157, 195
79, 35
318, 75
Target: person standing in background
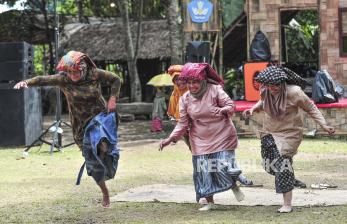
159, 109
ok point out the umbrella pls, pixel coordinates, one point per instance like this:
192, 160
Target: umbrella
161, 80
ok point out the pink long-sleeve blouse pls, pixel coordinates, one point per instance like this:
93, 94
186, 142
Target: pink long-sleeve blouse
209, 130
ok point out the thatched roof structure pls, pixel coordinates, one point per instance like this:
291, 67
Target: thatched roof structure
105, 40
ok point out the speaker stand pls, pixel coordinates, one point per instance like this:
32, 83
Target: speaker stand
56, 129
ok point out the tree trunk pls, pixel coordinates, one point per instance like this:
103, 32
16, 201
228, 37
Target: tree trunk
48, 36
139, 31
174, 21
79, 4
135, 85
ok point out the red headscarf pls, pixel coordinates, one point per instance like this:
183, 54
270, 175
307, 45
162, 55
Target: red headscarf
201, 71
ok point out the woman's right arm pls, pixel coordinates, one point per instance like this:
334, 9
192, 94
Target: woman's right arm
49, 80
256, 108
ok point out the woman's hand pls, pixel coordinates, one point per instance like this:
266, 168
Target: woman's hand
111, 105
164, 143
217, 111
329, 129
223, 111
248, 113
21, 85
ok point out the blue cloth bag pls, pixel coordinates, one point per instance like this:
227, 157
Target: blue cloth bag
103, 127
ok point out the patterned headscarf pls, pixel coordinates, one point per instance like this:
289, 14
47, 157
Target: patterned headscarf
275, 105
75, 61
274, 75
201, 71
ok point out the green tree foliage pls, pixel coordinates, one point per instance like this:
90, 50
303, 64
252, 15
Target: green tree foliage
231, 10
153, 9
117, 69
41, 61
302, 39
233, 85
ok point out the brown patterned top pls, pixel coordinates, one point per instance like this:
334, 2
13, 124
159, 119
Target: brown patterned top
84, 97
287, 129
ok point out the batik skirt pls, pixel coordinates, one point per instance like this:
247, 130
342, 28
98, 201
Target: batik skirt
214, 173
281, 166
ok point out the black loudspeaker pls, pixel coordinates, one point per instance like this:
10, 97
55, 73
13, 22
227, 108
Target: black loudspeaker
15, 70
20, 115
198, 51
16, 61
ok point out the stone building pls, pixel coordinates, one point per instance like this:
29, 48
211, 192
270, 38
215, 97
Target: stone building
265, 15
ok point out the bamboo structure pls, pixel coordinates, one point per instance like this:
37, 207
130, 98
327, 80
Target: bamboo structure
209, 31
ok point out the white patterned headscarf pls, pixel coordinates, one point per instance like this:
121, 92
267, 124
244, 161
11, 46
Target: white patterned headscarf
274, 75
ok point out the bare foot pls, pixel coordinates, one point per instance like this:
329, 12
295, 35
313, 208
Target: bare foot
105, 201
105, 196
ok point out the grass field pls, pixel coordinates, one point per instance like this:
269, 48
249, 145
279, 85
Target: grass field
41, 188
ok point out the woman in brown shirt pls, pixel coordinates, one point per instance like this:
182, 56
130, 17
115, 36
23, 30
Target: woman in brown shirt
80, 81
281, 99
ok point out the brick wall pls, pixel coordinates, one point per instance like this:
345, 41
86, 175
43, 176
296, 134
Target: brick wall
264, 15
329, 40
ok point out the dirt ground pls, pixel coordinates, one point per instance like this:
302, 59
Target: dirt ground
253, 196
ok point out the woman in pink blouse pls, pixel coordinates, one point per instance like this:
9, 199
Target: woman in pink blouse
206, 110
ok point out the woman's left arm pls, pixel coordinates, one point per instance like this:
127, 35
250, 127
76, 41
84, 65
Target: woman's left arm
309, 107
112, 80
225, 104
